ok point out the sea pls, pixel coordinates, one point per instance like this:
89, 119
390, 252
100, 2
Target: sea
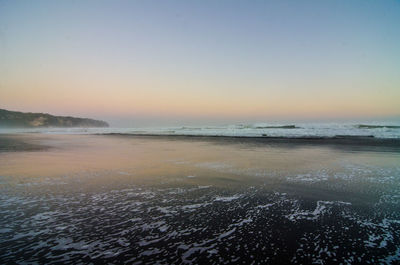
375, 129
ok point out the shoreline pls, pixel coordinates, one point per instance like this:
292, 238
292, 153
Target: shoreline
37, 142
335, 140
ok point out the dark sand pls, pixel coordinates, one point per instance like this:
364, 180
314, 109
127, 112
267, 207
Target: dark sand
126, 199
342, 142
15, 143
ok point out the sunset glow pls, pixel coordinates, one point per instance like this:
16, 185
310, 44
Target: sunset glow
215, 60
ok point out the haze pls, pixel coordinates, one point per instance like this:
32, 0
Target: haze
132, 62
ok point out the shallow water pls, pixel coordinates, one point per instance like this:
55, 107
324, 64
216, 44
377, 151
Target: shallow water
145, 199
378, 129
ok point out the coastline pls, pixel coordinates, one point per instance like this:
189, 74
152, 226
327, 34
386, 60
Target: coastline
32, 141
392, 143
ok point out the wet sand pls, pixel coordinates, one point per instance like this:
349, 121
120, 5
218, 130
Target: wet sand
116, 198
15, 143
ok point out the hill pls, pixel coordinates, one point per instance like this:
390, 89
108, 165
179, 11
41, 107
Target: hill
27, 119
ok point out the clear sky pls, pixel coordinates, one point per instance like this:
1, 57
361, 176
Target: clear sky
179, 61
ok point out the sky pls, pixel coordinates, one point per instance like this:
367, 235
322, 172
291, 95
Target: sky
167, 62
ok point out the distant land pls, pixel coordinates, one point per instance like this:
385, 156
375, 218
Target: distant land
16, 119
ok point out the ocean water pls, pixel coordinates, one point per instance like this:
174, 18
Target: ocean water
375, 129
148, 200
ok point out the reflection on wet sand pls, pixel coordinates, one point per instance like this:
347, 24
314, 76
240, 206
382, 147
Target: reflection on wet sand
180, 200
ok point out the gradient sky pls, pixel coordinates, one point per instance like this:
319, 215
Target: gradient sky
134, 62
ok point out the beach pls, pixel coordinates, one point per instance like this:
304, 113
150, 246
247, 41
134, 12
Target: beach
198, 199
